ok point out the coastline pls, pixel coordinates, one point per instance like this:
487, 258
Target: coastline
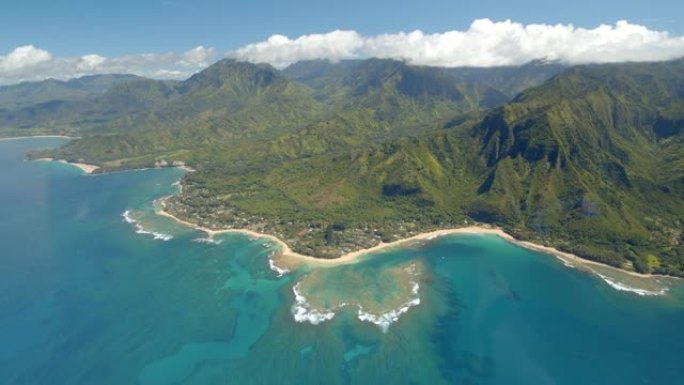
39, 136
86, 168
290, 258
349, 258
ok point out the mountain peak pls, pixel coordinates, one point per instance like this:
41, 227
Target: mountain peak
230, 72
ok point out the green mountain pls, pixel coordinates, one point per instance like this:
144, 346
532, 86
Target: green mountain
264, 114
591, 162
207, 113
509, 80
29, 93
354, 97
374, 100
593, 157
502, 83
333, 157
54, 106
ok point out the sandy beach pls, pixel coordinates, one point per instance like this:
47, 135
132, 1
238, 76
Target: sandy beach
86, 168
290, 259
39, 136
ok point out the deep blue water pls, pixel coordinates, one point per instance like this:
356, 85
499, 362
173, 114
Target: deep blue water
84, 299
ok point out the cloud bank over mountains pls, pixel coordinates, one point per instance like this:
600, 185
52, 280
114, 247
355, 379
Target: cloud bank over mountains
29, 63
485, 43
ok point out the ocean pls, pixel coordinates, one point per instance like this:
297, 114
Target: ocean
97, 289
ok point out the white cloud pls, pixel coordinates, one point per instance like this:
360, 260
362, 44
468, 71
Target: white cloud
198, 56
26, 56
484, 43
28, 63
90, 62
279, 50
168, 74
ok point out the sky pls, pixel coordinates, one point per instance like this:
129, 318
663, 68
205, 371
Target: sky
173, 38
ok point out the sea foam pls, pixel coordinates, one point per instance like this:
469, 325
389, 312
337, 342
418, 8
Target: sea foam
303, 312
139, 229
280, 271
622, 287
384, 320
208, 240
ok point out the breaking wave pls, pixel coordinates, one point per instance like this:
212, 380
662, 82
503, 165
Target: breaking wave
208, 241
280, 271
303, 312
139, 229
622, 287
384, 320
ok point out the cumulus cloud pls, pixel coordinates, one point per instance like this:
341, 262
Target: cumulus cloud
198, 56
90, 62
485, 43
28, 63
280, 50
23, 57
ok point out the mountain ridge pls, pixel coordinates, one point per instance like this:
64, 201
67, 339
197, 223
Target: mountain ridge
574, 162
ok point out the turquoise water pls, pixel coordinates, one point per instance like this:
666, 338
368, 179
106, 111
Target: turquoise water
84, 299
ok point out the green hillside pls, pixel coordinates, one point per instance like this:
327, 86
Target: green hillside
29, 93
249, 112
584, 161
58, 107
333, 157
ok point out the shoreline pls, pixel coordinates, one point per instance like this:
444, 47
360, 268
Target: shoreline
91, 168
39, 136
293, 258
86, 168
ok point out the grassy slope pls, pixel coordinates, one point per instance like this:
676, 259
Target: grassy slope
591, 161
576, 163
54, 106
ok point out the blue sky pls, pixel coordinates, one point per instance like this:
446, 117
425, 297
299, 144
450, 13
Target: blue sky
113, 28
